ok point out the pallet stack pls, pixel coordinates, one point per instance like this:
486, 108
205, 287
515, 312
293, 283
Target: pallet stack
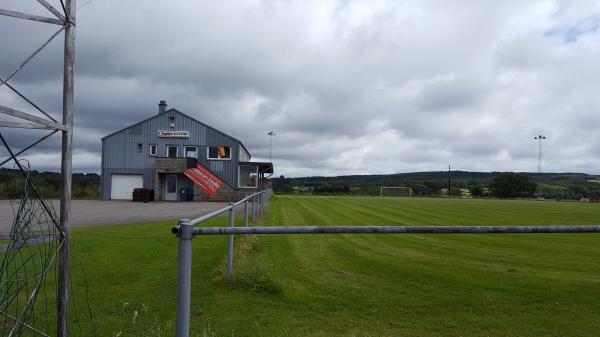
143, 195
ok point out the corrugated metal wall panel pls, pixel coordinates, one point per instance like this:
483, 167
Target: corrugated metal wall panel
120, 154
243, 155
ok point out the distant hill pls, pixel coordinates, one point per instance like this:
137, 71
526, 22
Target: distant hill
550, 185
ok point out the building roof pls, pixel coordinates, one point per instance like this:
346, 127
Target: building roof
263, 167
186, 115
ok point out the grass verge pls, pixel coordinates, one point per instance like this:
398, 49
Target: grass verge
354, 285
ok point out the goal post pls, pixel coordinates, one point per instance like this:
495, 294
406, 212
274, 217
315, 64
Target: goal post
395, 191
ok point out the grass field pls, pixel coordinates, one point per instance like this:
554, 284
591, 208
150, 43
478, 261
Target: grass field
355, 285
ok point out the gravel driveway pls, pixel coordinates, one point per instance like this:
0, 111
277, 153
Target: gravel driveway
96, 212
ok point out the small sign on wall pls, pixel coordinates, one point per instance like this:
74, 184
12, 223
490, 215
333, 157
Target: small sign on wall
173, 134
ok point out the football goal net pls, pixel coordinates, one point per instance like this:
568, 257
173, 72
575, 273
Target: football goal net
391, 191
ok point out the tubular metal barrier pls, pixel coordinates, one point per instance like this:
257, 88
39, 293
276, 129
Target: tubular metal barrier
185, 230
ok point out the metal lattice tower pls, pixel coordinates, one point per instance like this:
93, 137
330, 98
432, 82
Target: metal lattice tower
64, 17
540, 138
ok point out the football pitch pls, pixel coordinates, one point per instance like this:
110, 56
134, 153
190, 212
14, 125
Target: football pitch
355, 285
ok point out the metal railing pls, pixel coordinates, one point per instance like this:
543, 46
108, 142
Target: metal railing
186, 231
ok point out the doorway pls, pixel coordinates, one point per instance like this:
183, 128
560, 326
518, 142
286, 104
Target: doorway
171, 187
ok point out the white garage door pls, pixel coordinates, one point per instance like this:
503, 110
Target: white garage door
122, 185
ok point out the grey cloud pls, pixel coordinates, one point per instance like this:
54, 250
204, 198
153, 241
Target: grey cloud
350, 87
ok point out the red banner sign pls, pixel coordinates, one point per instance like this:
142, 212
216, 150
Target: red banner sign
205, 179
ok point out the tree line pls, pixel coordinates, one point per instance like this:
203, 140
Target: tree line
85, 185
427, 184
475, 184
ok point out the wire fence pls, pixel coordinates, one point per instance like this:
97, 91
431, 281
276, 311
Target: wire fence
28, 270
28, 258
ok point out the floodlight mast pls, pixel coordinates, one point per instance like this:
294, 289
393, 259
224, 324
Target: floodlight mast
271, 134
539, 138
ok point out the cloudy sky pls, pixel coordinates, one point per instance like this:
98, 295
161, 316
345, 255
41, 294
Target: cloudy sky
350, 87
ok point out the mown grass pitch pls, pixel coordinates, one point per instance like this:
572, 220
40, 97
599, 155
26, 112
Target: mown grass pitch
356, 285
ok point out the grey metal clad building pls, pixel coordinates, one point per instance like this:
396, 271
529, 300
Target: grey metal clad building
156, 152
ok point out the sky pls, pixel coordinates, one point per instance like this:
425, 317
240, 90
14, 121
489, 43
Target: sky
350, 87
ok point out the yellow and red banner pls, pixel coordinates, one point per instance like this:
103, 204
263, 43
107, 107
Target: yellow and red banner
221, 152
205, 179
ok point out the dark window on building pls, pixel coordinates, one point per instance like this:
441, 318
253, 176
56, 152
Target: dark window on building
191, 152
219, 152
139, 147
172, 151
172, 122
153, 150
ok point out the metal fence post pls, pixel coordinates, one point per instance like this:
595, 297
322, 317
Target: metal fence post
184, 278
260, 203
246, 215
254, 210
230, 244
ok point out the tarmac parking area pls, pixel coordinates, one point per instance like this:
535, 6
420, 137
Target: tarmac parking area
87, 213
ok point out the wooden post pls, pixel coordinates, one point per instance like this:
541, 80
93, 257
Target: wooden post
62, 300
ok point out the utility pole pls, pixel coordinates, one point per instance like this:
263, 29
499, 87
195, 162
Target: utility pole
539, 138
62, 300
271, 134
448, 180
